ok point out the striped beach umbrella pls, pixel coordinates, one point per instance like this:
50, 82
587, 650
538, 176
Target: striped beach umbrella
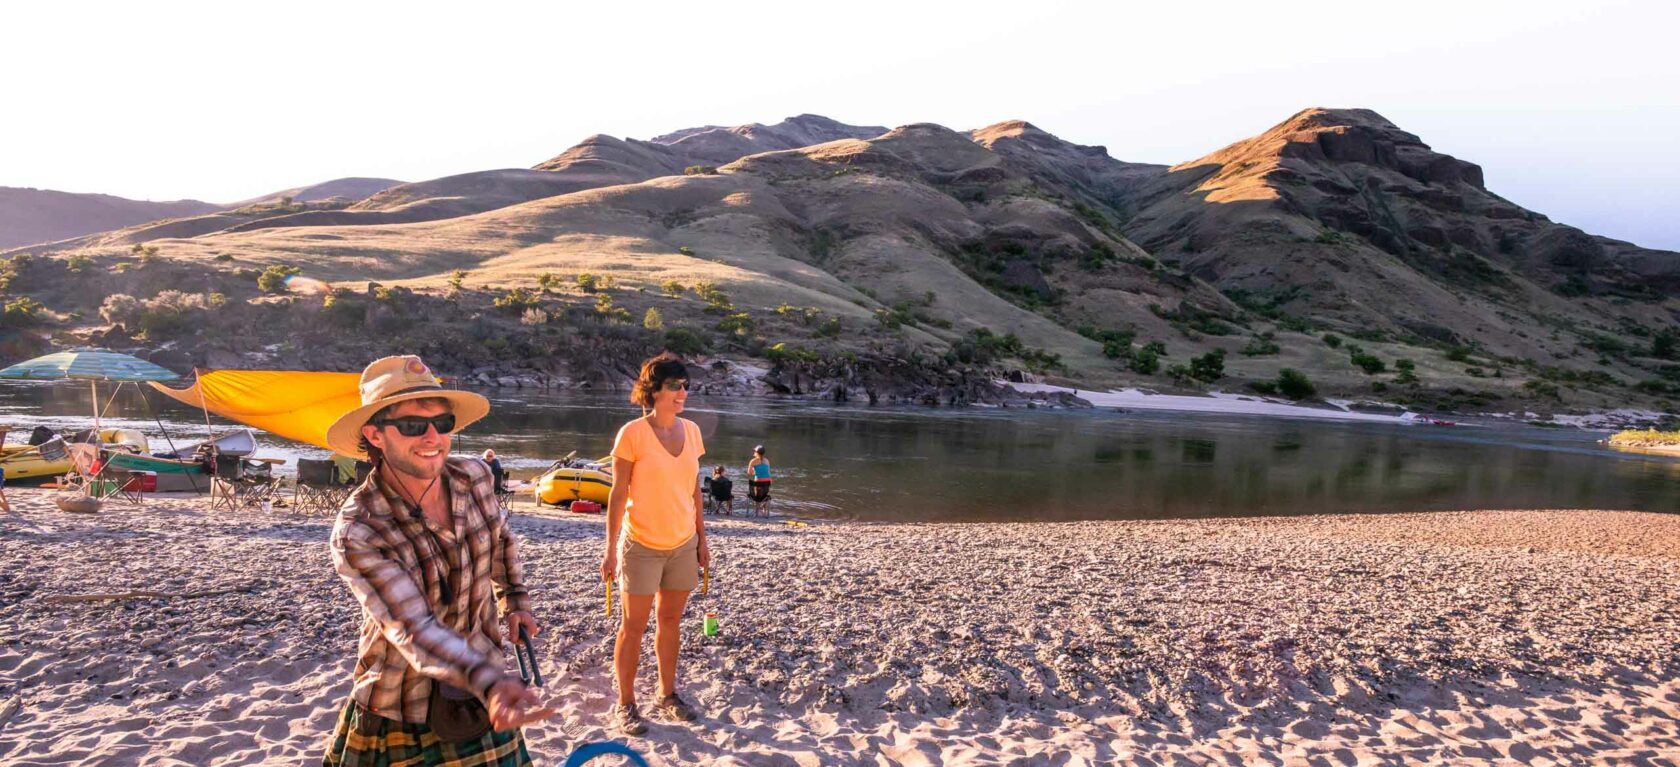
91, 366
88, 365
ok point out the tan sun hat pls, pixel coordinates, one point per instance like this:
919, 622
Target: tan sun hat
390, 380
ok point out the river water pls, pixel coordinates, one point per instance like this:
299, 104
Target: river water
913, 464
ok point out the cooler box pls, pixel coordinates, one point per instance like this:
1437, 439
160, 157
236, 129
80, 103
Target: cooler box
143, 482
585, 507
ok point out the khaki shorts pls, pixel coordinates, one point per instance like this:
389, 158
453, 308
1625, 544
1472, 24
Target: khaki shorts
643, 571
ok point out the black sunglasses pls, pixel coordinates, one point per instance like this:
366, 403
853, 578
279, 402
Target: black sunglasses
676, 384
415, 426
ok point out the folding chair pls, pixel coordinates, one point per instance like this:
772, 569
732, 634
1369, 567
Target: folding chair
318, 488
82, 458
258, 482
121, 484
227, 490
504, 496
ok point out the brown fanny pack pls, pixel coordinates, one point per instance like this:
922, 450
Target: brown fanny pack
454, 715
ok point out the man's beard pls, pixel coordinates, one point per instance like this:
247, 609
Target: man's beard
411, 466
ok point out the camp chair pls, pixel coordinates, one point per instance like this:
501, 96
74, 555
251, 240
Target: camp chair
82, 459
121, 484
227, 491
318, 488
258, 483
504, 496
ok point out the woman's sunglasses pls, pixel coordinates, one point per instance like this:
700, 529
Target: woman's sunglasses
415, 426
676, 384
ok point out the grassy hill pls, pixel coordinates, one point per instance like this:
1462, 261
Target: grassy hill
29, 216
844, 256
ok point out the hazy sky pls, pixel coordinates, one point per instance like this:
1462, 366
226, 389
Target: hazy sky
1572, 109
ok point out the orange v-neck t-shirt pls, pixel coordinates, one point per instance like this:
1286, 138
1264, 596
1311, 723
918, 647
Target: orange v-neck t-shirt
659, 512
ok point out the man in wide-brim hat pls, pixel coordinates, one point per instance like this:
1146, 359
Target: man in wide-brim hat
410, 542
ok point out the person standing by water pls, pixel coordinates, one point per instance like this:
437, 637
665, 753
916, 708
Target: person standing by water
758, 481
656, 534
427, 552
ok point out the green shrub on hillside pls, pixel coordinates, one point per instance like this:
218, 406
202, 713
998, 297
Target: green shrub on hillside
672, 288
1293, 384
1365, 361
684, 341
1209, 367
607, 310
119, 308
22, 312
1260, 346
273, 279
516, 301
1146, 362
1665, 344
738, 324
782, 353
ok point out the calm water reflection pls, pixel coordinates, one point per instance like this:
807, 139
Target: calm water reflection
915, 464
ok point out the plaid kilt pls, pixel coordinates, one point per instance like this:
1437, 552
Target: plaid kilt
369, 740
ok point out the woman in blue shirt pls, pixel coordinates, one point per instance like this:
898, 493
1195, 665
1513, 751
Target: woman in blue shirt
758, 481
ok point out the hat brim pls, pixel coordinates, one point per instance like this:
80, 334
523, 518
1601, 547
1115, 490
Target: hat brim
345, 435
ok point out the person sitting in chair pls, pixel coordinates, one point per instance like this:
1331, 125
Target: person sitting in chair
496, 472
721, 490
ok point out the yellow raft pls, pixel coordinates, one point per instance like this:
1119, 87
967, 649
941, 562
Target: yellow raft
25, 463
573, 480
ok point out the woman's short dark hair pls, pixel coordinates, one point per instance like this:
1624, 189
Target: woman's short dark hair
655, 372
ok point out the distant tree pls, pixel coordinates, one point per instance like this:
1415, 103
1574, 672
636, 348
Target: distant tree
1665, 343
1293, 384
1209, 367
548, 281
1366, 361
672, 288
457, 279
588, 283
1146, 362
699, 170
652, 320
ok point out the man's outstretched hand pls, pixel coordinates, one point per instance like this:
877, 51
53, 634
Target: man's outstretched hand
513, 705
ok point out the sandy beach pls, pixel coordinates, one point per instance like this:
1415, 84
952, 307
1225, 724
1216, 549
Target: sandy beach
1540, 637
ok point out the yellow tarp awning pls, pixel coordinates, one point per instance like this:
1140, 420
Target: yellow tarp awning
291, 403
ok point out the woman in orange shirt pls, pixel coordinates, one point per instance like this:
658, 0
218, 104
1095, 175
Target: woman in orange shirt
656, 504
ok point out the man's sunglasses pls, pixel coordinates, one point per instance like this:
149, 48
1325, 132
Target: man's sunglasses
415, 426
676, 384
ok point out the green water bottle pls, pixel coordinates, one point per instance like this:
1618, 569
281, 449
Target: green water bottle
709, 625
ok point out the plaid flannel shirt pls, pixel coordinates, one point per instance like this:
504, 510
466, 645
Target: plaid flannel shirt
392, 559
